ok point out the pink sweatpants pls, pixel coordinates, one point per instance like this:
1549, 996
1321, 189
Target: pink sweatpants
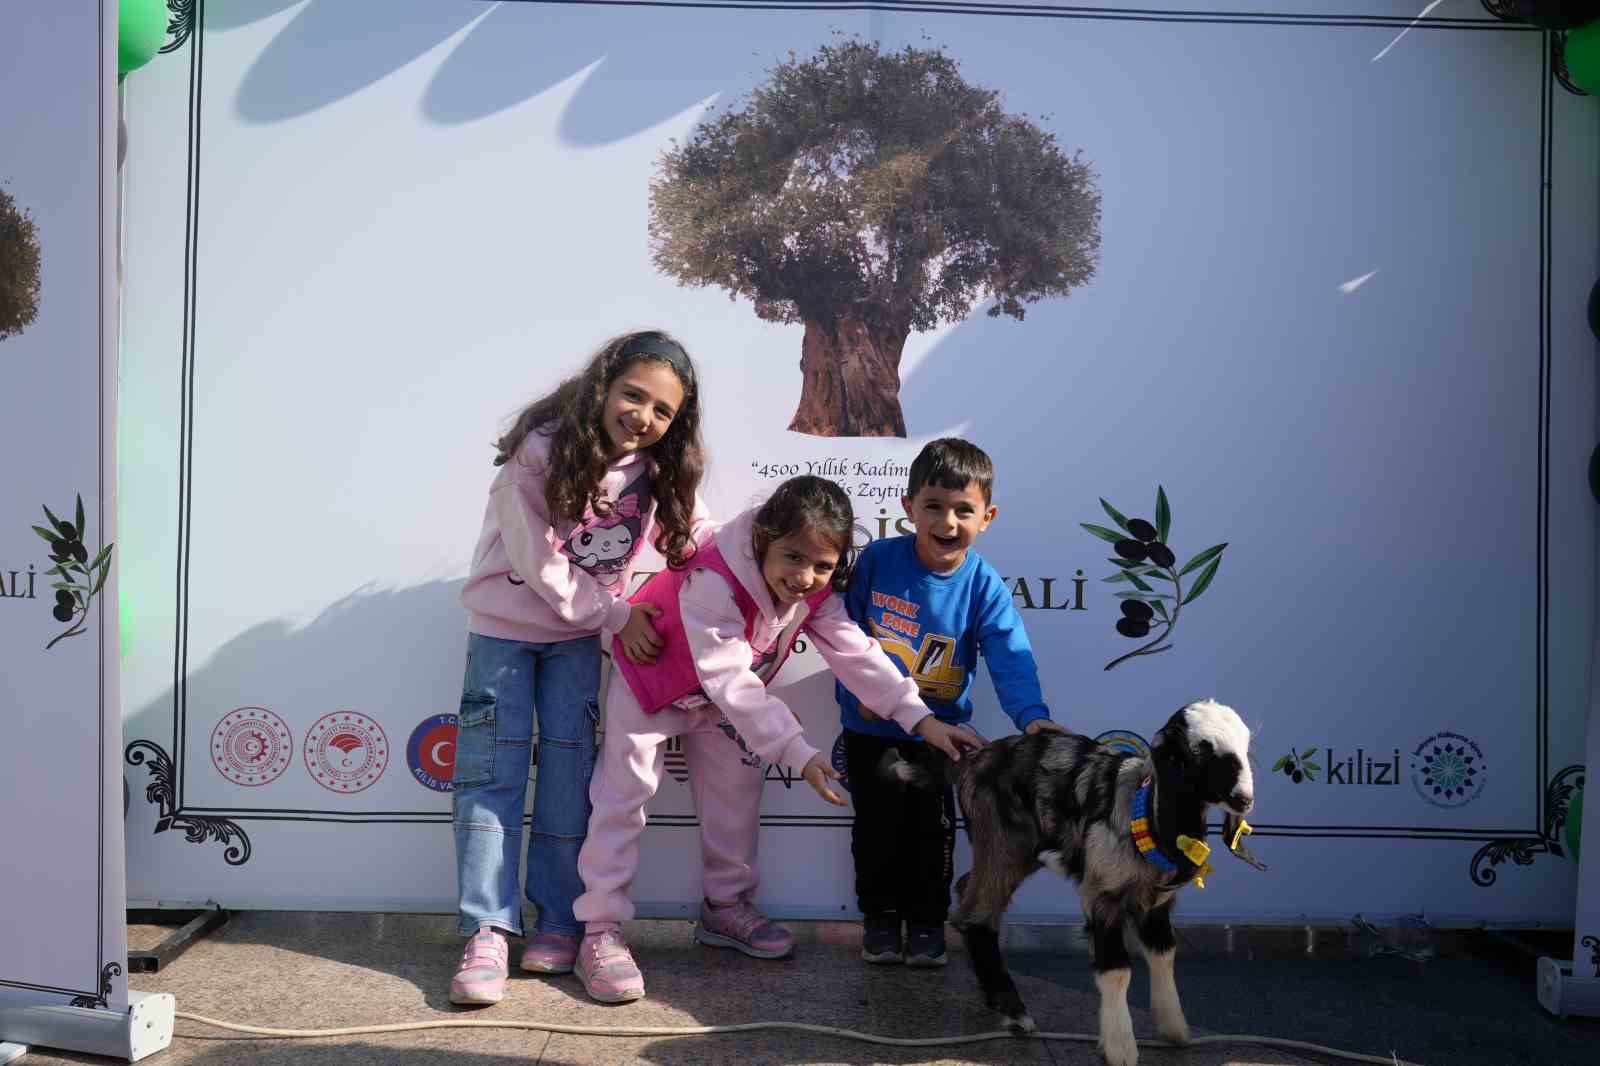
727, 799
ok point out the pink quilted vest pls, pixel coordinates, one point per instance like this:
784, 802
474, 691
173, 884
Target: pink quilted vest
672, 675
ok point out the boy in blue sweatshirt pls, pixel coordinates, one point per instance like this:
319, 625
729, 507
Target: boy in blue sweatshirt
934, 605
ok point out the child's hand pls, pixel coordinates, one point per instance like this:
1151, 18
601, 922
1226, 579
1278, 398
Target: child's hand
1041, 725
639, 638
947, 738
817, 772
867, 712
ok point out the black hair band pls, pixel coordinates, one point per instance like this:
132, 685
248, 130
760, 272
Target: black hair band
660, 347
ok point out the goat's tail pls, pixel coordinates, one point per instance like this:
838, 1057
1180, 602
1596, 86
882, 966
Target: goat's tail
896, 767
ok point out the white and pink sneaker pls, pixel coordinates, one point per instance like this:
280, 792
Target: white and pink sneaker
606, 966
481, 977
550, 953
738, 925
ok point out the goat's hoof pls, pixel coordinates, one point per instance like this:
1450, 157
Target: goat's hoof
1021, 1024
1004, 1004
1170, 1022
1120, 1050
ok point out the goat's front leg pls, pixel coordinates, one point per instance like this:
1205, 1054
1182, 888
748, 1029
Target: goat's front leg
1112, 972
1160, 948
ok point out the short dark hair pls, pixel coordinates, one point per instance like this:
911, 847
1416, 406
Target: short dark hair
952, 463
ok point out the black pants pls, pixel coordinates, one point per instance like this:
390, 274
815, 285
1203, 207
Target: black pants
904, 837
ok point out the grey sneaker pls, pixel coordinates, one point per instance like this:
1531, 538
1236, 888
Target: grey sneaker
880, 937
925, 944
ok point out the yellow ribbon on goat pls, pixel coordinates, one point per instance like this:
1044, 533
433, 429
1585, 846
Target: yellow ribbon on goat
1244, 830
1196, 852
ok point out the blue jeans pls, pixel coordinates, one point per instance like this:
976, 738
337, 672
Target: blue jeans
505, 679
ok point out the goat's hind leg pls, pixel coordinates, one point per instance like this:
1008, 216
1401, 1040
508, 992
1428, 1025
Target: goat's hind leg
1160, 948
985, 892
1112, 973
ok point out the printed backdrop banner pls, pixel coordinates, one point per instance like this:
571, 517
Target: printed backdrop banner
1309, 289
65, 937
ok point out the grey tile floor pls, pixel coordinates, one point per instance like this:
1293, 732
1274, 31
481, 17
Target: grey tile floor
1472, 1004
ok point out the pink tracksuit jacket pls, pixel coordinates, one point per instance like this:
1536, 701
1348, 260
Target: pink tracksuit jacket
735, 640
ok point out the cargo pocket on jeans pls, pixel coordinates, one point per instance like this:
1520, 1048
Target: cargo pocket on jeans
475, 741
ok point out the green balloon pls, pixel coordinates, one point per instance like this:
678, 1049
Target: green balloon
141, 29
1575, 823
1583, 57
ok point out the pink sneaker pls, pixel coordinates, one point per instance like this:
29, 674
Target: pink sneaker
550, 953
606, 966
481, 977
741, 927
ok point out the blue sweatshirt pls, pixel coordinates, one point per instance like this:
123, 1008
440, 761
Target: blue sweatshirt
933, 626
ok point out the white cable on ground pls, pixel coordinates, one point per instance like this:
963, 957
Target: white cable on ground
745, 1027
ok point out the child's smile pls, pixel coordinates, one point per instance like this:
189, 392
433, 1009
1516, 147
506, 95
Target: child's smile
947, 522
640, 406
797, 565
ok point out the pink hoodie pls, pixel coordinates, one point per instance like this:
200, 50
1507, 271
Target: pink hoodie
735, 655
539, 583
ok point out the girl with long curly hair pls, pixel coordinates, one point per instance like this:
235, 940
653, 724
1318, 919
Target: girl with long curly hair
608, 461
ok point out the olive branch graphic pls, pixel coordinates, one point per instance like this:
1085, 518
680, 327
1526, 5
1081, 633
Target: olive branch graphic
1298, 765
1142, 556
78, 579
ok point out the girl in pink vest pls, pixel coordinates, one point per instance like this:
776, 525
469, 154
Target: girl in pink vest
727, 622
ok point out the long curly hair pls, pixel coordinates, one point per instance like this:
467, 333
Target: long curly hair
570, 415
808, 502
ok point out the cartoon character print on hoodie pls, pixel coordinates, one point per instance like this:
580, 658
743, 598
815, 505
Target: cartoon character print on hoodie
602, 546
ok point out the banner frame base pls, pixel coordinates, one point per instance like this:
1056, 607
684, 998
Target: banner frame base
1564, 995
190, 926
142, 1030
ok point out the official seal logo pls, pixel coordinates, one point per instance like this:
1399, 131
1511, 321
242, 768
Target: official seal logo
346, 751
431, 752
1448, 770
251, 746
1125, 740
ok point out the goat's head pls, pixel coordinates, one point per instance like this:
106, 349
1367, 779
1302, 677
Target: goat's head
1207, 747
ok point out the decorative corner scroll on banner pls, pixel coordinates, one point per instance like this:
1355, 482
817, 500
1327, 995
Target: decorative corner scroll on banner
1523, 850
112, 969
197, 829
181, 25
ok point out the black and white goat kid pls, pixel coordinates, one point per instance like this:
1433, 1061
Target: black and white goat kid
1068, 802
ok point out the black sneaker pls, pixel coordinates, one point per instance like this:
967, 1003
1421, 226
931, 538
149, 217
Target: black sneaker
880, 937
925, 944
